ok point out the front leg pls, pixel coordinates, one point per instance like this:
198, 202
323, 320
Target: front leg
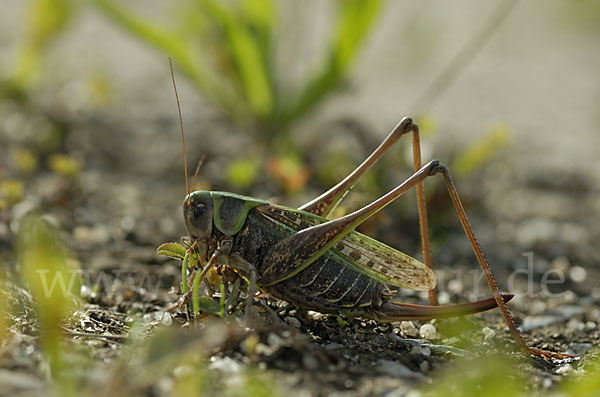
237, 262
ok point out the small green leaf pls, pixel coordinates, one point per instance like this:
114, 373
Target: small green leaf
172, 250
222, 300
184, 266
209, 305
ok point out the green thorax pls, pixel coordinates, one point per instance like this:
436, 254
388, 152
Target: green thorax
231, 210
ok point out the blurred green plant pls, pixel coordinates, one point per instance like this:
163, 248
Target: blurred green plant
228, 51
490, 375
585, 382
45, 20
482, 151
64, 165
4, 310
53, 285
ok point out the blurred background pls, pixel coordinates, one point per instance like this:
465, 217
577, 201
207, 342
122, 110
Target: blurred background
284, 99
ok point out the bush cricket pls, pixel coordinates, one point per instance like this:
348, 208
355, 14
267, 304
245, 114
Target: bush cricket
300, 256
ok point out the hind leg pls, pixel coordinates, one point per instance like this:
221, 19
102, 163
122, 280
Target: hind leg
326, 203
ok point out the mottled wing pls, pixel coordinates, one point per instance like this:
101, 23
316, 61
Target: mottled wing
364, 254
384, 263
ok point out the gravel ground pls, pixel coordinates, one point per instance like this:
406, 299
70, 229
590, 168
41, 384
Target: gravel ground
534, 208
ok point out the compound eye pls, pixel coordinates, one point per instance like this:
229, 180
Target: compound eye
199, 210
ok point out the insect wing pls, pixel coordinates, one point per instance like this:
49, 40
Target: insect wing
384, 263
362, 253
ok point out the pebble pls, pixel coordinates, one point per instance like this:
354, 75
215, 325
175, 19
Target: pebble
581, 347
225, 364
407, 328
292, 322
575, 325
427, 331
443, 298
85, 292
165, 385
416, 350
565, 369
590, 325
595, 315
455, 286
577, 274
167, 320
488, 333
310, 362
183, 370
396, 370
424, 367
147, 317
560, 263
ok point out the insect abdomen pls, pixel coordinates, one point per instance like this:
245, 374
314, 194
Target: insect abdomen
326, 285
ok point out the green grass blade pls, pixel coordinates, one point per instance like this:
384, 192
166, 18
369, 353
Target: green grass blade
247, 55
195, 298
183, 54
355, 20
232, 299
54, 286
184, 266
222, 300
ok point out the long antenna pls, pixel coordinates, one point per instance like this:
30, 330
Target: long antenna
187, 192
197, 170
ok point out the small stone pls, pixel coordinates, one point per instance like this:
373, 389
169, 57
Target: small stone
575, 325
569, 296
581, 347
165, 384
577, 274
167, 320
396, 370
147, 317
590, 325
310, 362
560, 263
274, 339
427, 331
488, 333
263, 350
565, 369
407, 328
426, 351
537, 307
316, 315
226, 365
455, 286
443, 298
183, 370
292, 322
424, 367
546, 383
85, 292
595, 315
